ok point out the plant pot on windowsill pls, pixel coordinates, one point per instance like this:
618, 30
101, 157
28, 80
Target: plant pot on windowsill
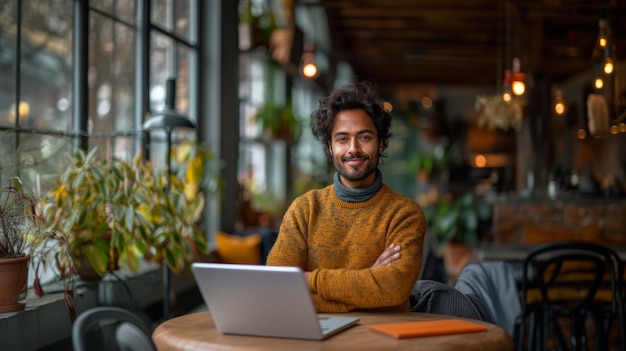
24, 240
13, 279
92, 260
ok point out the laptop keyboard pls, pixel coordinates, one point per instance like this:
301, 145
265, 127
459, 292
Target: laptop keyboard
324, 324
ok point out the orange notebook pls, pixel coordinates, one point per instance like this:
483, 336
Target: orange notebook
427, 328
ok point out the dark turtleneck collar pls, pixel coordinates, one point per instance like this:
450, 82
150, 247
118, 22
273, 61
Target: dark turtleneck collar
359, 194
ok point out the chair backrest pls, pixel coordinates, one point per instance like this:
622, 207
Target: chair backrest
130, 333
572, 277
559, 264
621, 280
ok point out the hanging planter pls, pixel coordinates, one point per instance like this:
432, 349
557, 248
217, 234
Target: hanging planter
278, 122
256, 26
497, 114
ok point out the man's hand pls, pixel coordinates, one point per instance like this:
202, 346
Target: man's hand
390, 254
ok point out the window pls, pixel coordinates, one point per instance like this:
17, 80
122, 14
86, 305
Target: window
56, 92
40, 67
35, 59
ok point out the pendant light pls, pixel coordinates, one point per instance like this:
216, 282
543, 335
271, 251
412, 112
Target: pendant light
308, 67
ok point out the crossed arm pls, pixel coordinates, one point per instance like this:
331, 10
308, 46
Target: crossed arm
391, 253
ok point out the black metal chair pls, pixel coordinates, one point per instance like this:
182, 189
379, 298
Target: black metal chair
621, 290
117, 329
560, 290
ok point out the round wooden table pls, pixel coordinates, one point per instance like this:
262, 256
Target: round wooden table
197, 332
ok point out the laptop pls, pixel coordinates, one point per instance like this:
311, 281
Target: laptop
260, 300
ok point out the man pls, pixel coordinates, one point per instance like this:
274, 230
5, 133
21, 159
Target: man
359, 242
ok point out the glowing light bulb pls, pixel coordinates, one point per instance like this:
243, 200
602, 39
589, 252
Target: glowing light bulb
559, 108
598, 83
559, 103
518, 87
480, 161
609, 67
506, 96
309, 70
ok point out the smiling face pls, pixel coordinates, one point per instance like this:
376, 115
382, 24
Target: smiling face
355, 147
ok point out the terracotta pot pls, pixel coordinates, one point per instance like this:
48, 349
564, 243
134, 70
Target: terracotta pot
85, 270
13, 283
456, 256
83, 266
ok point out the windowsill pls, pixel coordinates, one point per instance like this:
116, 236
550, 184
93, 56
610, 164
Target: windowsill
45, 321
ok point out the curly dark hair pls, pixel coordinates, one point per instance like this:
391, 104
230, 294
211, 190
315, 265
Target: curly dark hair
360, 95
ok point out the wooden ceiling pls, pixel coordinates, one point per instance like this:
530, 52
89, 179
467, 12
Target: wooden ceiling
468, 43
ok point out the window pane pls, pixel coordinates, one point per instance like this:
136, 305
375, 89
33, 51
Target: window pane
102, 5
183, 83
164, 55
159, 13
182, 19
101, 46
8, 28
161, 61
111, 75
39, 157
126, 10
45, 64
123, 73
173, 15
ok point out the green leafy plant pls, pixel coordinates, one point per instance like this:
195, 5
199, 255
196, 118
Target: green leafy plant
260, 20
442, 158
115, 212
279, 122
175, 207
95, 203
106, 212
458, 219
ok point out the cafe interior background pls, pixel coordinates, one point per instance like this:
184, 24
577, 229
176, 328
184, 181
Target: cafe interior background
548, 159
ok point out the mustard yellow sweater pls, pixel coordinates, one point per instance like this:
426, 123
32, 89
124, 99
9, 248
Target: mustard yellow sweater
339, 241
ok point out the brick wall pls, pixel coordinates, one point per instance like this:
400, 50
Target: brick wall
537, 221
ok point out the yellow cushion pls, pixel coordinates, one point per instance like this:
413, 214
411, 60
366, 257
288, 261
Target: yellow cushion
238, 249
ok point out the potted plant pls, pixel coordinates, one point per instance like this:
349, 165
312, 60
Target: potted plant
96, 204
24, 240
108, 212
454, 222
259, 23
278, 122
441, 159
176, 205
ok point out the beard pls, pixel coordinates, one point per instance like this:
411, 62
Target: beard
358, 173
